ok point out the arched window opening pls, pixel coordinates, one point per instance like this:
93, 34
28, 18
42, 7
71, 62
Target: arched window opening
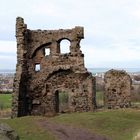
37, 67
47, 51
65, 46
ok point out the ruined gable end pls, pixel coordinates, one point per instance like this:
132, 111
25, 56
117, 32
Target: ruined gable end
43, 72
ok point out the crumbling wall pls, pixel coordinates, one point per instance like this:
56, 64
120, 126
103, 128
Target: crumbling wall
117, 89
41, 77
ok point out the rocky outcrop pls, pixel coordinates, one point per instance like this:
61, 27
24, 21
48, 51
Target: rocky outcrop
7, 133
117, 89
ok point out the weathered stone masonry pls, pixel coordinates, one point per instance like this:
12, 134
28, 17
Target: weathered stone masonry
117, 89
40, 78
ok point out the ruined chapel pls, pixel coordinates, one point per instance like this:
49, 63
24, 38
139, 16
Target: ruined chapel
41, 77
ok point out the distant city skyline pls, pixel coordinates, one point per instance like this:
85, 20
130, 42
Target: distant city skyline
111, 28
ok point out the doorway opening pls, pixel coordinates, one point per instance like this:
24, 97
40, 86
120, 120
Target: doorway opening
99, 91
62, 102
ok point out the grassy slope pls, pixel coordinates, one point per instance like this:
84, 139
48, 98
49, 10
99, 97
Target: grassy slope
28, 129
118, 124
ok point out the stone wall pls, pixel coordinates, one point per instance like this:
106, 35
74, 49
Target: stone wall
40, 78
117, 89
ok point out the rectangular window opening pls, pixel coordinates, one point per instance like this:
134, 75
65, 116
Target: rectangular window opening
37, 67
47, 51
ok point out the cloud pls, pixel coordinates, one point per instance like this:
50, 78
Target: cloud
7, 62
112, 28
7, 54
7, 47
115, 56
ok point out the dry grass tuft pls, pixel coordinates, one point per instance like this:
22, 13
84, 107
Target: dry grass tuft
137, 137
5, 113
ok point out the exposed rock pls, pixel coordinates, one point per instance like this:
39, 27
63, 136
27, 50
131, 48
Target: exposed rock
117, 89
7, 133
41, 77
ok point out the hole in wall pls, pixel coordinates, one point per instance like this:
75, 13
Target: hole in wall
47, 51
37, 67
113, 90
65, 46
62, 101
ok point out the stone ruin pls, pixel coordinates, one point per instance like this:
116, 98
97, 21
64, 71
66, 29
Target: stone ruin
40, 78
117, 89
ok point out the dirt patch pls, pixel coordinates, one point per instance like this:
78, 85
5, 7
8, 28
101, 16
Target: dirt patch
65, 132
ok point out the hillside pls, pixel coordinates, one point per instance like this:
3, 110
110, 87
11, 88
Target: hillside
115, 125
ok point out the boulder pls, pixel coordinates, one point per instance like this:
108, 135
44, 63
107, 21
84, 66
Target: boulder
7, 133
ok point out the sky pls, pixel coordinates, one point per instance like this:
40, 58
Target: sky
111, 28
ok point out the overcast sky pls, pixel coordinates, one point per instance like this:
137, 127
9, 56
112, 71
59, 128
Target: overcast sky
111, 28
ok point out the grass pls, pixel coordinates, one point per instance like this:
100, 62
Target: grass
135, 104
100, 99
5, 105
115, 124
63, 102
28, 129
5, 101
